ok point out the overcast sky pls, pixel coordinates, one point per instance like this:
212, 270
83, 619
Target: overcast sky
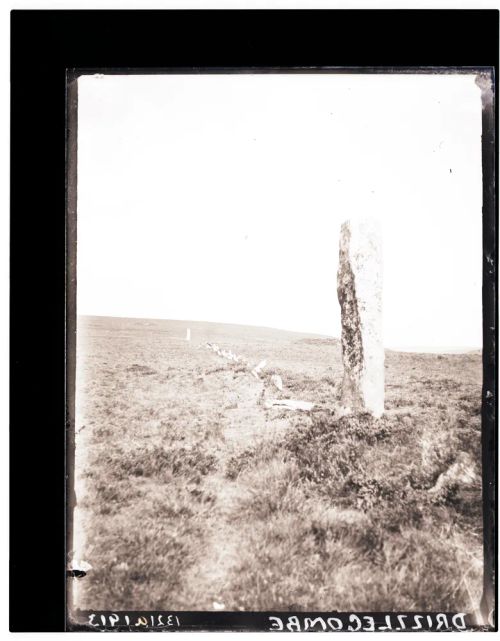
220, 198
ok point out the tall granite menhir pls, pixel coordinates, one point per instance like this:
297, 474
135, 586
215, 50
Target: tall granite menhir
359, 289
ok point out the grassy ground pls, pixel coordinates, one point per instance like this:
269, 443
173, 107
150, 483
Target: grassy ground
193, 495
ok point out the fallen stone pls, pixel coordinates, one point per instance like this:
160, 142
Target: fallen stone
461, 473
258, 368
277, 382
289, 404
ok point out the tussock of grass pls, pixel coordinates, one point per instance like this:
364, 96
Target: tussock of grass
159, 461
344, 504
142, 564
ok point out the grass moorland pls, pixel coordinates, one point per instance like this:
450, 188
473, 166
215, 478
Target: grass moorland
193, 495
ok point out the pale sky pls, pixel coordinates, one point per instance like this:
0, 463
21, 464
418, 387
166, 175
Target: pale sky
220, 198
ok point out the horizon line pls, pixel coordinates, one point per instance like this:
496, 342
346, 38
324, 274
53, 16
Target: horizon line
398, 348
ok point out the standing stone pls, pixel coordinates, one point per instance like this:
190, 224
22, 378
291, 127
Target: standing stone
359, 289
188, 334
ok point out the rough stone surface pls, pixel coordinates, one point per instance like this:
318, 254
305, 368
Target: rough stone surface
289, 404
461, 473
277, 381
359, 289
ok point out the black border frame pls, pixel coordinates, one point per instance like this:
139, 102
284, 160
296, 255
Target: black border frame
44, 46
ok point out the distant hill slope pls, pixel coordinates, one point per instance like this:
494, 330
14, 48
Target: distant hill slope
200, 330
